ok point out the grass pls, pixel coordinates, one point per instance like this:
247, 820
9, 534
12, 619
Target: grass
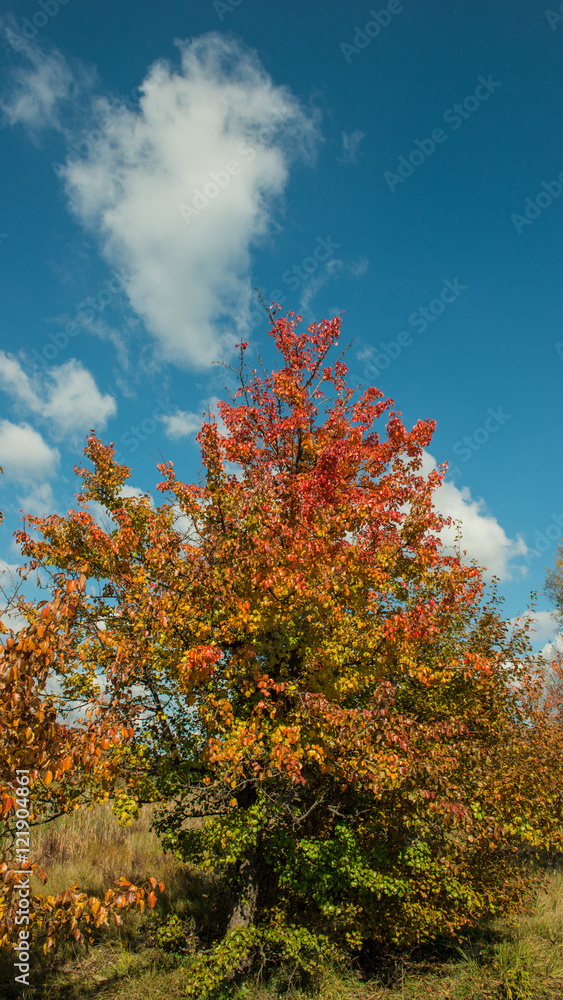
505, 961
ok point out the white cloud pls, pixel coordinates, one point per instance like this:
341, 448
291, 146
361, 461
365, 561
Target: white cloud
8, 574
188, 274
544, 629
359, 267
73, 400
181, 424
24, 455
13, 620
38, 500
184, 526
15, 381
553, 648
40, 89
350, 143
36, 94
101, 515
482, 536
67, 396
543, 625
133, 491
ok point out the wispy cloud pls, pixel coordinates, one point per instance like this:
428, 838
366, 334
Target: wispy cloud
44, 88
359, 267
350, 144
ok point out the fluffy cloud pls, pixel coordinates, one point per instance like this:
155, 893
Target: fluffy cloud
481, 534
67, 396
543, 629
181, 424
24, 455
186, 423
73, 401
39, 500
15, 381
179, 190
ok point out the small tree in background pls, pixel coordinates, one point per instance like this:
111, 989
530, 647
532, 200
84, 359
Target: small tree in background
295, 661
554, 686
554, 584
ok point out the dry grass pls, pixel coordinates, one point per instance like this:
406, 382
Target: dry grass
508, 962
89, 847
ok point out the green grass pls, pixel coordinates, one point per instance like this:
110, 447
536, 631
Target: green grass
505, 961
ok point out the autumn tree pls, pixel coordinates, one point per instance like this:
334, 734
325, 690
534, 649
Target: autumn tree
554, 680
554, 584
554, 686
47, 769
304, 669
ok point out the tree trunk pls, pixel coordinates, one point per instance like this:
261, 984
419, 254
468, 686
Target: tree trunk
243, 900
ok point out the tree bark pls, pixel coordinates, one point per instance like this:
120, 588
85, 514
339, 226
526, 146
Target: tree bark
245, 895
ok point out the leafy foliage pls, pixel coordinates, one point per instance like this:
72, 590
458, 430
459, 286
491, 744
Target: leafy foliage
294, 660
65, 768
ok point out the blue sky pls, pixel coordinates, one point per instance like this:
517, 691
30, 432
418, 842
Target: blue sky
399, 162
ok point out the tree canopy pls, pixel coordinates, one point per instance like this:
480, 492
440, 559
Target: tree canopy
285, 651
